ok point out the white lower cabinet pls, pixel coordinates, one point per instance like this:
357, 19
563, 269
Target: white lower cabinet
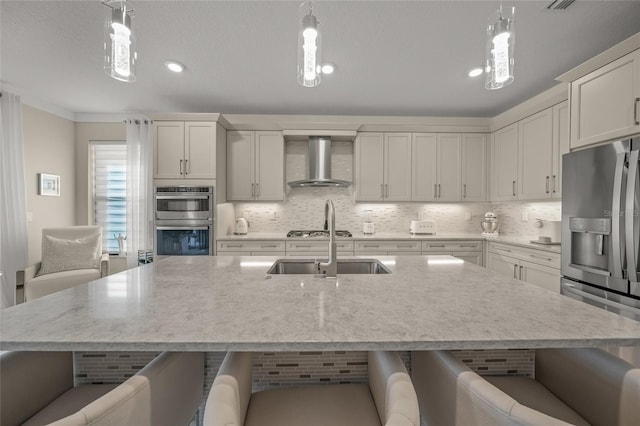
387, 247
469, 251
251, 248
538, 267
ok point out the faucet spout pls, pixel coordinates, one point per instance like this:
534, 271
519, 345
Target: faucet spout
331, 266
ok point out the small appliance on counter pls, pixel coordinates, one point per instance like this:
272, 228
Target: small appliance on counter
548, 232
490, 225
242, 226
424, 226
367, 226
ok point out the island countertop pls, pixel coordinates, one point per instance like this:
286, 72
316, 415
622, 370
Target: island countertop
219, 303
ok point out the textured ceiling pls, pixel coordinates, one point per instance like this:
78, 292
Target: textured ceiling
406, 58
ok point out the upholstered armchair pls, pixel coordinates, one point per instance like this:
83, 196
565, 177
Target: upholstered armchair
37, 389
388, 399
70, 256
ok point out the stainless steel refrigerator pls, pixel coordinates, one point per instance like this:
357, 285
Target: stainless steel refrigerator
601, 226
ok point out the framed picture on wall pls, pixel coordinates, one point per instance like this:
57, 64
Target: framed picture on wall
48, 184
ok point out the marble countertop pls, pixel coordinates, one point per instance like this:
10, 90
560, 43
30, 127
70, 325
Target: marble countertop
219, 303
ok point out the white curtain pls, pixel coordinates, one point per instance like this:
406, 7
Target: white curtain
139, 189
13, 204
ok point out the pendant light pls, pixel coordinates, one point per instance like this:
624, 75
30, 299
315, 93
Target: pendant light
499, 52
119, 41
308, 48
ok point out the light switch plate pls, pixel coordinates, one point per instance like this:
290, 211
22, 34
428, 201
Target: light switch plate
525, 216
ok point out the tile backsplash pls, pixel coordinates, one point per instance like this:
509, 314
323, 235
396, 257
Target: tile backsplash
303, 208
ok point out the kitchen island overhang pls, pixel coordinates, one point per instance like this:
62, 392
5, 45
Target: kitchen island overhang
220, 303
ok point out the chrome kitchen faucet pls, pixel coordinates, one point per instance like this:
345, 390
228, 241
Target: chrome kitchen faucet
331, 266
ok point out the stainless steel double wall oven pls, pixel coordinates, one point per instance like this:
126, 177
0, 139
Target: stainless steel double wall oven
184, 220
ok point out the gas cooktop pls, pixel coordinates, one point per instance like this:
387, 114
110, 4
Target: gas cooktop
320, 233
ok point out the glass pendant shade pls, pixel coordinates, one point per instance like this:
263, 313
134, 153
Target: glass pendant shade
499, 52
308, 48
119, 41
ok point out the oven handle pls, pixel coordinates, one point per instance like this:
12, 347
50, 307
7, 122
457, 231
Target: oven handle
181, 228
182, 197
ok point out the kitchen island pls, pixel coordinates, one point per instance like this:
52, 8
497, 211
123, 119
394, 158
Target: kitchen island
220, 303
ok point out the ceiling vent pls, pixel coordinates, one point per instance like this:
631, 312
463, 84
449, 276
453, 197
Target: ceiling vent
560, 4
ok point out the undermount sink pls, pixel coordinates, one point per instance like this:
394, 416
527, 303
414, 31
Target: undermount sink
345, 266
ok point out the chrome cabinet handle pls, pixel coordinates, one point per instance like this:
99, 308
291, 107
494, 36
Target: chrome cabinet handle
547, 185
268, 246
464, 190
467, 245
520, 277
404, 245
435, 190
439, 191
253, 190
234, 245
635, 111
181, 167
370, 246
515, 271
257, 190
436, 246
553, 183
513, 187
187, 169
382, 190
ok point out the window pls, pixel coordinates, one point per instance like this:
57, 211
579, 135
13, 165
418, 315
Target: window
110, 191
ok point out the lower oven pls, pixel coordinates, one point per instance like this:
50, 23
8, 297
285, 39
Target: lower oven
184, 238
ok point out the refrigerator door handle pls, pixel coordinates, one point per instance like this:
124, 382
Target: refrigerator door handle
615, 215
630, 217
570, 288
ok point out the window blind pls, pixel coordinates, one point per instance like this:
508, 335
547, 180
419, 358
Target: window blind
110, 191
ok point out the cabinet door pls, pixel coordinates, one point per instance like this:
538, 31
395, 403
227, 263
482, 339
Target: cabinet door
397, 169
505, 164
200, 150
168, 148
503, 265
560, 145
424, 160
535, 156
449, 160
603, 103
542, 276
240, 165
474, 167
369, 165
269, 173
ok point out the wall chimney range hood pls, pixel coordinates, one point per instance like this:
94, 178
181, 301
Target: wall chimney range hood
319, 165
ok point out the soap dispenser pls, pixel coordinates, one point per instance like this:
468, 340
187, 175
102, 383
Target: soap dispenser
367, 226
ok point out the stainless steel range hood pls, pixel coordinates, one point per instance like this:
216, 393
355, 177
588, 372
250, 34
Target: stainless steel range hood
319, 165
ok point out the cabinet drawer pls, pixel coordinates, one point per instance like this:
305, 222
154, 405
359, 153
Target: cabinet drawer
540, 257
252, 246
430, 246
375, 246
319, 246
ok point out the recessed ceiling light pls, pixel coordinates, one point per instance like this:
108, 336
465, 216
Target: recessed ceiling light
475, 72
328, 69
174, 66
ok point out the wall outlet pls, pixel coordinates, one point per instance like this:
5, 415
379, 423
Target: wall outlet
467, 215
29, 216
275, 216
525, 216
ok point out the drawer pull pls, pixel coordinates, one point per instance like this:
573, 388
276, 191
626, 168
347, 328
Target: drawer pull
302, 246
540, 257
371, 245
269, 246
436, 246
468, 245
234, 245
405, 245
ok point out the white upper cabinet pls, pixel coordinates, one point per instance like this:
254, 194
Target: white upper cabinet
474, 167
184, 150
535, 155
424, 167
255, 166
449, 187
505, 163
527, 156
383, 166
560, 145
605, 104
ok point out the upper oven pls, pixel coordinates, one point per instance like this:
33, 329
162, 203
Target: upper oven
184, 203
